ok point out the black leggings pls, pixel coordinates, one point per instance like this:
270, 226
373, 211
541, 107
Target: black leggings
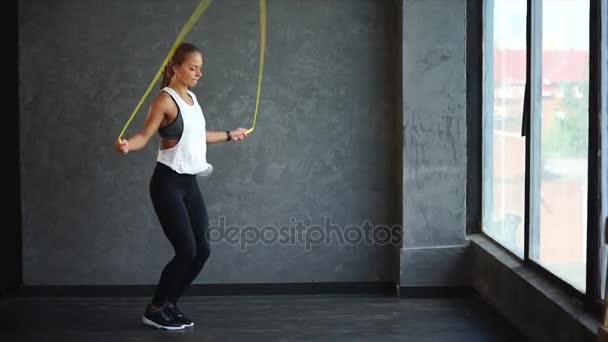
181, 211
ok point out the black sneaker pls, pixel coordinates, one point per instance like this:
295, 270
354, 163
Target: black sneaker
178, 315
161, 319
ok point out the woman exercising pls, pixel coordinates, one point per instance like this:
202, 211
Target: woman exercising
178, 203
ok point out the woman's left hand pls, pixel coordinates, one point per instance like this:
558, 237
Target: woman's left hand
239, 134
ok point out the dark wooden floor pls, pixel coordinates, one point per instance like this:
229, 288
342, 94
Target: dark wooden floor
257, 318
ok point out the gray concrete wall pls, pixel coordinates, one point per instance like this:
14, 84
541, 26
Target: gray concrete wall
323, 147
434, 143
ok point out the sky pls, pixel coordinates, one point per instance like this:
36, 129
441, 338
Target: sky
565, 24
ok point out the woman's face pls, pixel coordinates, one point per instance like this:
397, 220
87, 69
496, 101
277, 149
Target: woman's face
191, 70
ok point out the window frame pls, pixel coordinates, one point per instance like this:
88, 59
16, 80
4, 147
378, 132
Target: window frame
597, 250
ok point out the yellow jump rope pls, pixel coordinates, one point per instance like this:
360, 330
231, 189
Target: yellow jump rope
198, 11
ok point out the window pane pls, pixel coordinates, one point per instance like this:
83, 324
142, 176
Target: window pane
504, 201
561, 233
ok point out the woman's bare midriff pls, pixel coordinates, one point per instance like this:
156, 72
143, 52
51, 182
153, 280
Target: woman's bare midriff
167, 143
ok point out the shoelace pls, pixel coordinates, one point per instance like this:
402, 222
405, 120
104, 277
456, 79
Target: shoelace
176, 310
165, 315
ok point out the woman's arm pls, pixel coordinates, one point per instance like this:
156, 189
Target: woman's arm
223, 136
155, 117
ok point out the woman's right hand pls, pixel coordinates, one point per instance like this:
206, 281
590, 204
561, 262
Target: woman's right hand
122, 146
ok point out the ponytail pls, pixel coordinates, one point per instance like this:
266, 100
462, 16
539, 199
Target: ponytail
167, 75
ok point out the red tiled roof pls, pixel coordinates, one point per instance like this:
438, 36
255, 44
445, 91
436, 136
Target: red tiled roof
558, 65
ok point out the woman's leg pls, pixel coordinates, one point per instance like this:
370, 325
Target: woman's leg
167, 190
199, 219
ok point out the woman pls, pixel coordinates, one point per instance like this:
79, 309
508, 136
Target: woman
176, 115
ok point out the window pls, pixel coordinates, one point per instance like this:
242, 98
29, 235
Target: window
544, 121
559, 230
504, 147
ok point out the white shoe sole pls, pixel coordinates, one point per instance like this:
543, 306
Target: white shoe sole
158, 326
